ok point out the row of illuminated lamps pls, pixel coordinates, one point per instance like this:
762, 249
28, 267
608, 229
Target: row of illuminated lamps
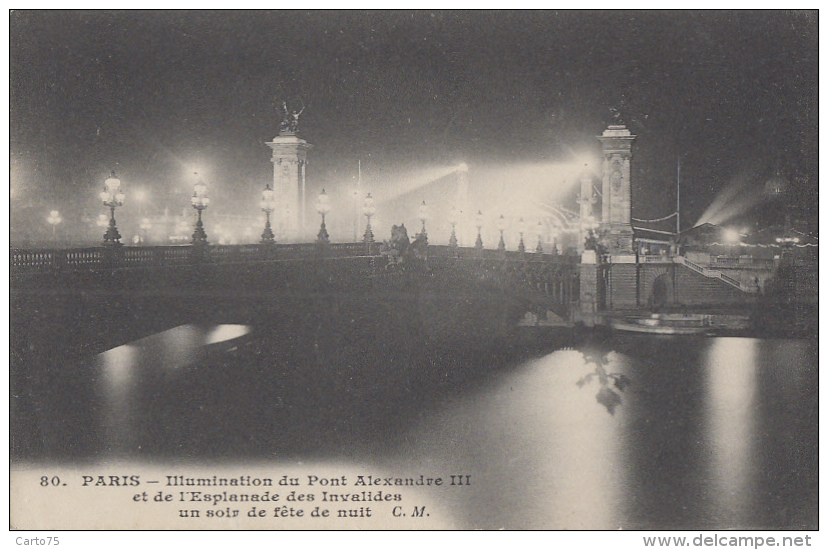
734, 236
113, 197
323, 207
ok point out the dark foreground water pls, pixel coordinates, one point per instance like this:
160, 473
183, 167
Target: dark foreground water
620, 431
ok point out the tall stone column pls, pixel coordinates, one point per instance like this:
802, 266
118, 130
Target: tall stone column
289, 160
616, 142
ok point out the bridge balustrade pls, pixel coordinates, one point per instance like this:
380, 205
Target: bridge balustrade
84, 257
35, 259
545, 281
137, 256
548, 274
655, 259
156, 256
741, 262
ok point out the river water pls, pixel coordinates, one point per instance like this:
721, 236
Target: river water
613, 432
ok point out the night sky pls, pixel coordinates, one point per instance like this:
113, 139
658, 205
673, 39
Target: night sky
149, 94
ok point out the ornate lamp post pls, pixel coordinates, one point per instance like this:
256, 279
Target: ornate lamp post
369, 210
521, 230
501, 226
478, 221
54, 219
423, 215
112, 197
199, 201
539, 248
268, 203
323, 206
453, 222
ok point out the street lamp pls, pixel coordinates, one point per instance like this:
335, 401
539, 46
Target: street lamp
268, 204
453, 222
54, 219
112, 197
521, 230
199, 201
539, 248
369, 210
323, 206
423, 215
501, 226
478, 221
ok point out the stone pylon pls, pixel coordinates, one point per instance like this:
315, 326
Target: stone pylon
289, 160
616, 228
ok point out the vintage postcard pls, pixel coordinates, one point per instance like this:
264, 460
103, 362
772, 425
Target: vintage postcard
415, 270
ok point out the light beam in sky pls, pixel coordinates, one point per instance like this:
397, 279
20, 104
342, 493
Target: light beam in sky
741, 195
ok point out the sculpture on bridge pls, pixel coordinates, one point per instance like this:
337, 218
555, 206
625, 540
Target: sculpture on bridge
290, 119
594, 241
401, 251
396, 247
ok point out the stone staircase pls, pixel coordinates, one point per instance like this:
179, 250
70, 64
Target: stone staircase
715, 274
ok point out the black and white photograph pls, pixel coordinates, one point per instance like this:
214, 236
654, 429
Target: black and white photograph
415, 270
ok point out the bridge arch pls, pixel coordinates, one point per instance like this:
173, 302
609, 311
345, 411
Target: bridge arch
662, 291
657, 286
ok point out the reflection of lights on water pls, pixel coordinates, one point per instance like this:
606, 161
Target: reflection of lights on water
118, 367
731, 389
537, 430
576, 443
125, 369
168, 350
225, 332
175, 348
119, 380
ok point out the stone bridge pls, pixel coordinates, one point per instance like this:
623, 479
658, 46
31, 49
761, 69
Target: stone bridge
542, 278
102, 296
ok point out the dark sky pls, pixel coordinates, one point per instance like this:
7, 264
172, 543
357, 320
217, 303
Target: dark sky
734, 93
